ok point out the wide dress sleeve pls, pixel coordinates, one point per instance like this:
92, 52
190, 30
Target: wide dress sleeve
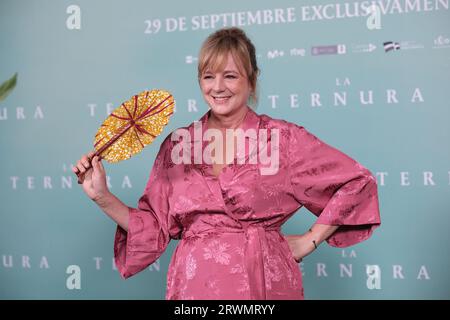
333, 186
148, 230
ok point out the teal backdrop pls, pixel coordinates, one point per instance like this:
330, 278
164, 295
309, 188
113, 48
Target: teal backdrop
372, 81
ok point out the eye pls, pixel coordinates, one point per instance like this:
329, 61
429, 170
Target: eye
230, 76
207, 77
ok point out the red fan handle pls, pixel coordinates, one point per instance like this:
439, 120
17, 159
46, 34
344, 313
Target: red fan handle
106, 146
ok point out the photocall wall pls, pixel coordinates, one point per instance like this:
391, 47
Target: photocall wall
371, 78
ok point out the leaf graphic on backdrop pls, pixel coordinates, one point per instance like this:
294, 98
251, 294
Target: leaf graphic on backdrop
7, 87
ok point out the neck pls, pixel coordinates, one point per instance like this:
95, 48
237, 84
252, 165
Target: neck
232, 121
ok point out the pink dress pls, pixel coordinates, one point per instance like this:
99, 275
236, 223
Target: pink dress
231, 246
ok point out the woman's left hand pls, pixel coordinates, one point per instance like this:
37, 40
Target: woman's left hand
300, 245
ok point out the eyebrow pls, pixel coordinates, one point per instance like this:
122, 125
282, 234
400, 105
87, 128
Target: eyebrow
225, 71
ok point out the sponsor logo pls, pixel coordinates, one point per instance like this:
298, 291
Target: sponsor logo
390, 46
441, 42
330, 49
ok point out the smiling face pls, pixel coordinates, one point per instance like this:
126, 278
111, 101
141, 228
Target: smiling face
226, 89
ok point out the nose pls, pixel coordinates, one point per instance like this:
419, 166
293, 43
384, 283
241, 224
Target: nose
219, 84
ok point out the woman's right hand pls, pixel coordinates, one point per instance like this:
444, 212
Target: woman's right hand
92, 176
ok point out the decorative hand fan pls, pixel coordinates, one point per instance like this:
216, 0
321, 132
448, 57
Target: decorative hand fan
133, 125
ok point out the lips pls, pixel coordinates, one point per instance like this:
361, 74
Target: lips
221, 99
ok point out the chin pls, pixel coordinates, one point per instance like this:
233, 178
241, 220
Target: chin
220, 109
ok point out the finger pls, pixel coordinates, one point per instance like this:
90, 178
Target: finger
86, 163
102, 168
95, 164
99, 163
76, 167
80, 167
77, 173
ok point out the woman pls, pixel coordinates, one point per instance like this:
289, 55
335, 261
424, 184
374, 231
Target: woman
228, 215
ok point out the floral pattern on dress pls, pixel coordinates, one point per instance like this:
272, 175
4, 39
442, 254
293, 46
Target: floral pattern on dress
217, 250
191, 266
183, 203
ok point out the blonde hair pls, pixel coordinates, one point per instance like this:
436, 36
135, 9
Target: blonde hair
215, 50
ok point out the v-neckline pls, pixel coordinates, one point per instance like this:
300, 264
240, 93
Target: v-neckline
219, 173
205, 143
251, 120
